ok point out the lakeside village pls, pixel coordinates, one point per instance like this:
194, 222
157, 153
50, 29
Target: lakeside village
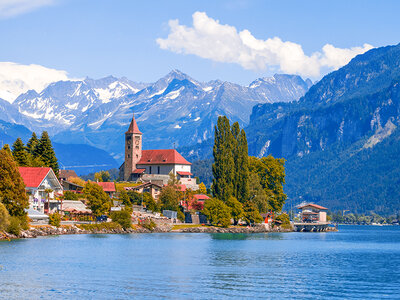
156, 192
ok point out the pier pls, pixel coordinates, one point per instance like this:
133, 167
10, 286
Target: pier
313, 227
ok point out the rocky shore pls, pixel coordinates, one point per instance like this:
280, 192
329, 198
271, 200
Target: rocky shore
212, 229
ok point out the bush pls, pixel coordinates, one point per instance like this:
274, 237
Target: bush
68, 195
217, 212
149, 224
180, 215
24, 222
123, 218
4, 218
55, 219
100, 226
15, 226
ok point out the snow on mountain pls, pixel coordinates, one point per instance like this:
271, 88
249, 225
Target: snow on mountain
176, 109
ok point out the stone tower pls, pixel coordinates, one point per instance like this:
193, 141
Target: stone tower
133, 149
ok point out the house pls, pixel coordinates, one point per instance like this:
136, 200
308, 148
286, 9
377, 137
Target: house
65, 179
148, 187
152, 165
196, 202
108, 187
66, 174
312, 213
37, 182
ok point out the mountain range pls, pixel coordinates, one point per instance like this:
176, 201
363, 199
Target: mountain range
173, 111
341, 139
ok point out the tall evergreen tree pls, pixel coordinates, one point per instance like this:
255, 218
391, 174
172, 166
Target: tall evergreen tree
19, 153
6, 148
45, 152
242, 179
236, 158
32, 144
12, 188
223, 166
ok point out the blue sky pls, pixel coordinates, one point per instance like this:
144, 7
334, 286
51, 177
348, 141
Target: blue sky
99, 38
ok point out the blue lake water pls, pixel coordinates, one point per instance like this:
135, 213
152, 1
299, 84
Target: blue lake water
358, 262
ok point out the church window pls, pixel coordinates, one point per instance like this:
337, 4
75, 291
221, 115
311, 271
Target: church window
129, 156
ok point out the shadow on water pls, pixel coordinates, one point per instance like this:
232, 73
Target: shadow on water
247, 236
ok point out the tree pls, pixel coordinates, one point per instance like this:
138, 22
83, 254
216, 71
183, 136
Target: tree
169, 198
12, 188
4, 218
124, 198
123, 218
102, 176
55, 219
32, 144
271, 172
45, 152
150, 203
251, 214
98, 200
77, 180
242, 166
202, 188
217, 212
6, 148
68, 195
19, 153
257, 194
223, 167
236, 208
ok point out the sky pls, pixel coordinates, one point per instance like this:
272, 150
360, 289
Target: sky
237, 40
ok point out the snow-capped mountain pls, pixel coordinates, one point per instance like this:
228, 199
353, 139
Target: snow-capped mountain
176, 110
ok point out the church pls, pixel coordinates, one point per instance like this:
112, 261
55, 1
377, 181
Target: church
153, 165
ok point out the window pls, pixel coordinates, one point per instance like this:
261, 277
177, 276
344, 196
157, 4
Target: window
158, 170
150, 170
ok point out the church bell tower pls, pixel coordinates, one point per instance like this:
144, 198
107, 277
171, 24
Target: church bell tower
133, 149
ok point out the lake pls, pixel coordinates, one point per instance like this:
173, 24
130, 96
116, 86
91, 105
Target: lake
358, 262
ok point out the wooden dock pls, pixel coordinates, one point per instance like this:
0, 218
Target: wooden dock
313, 227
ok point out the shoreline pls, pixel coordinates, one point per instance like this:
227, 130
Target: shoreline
48, 230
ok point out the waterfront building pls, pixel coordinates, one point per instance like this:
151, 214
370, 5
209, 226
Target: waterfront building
38, 181
313, 213
153, 165
148, 187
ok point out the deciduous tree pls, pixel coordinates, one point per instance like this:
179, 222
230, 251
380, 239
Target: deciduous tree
236, 208
217, 212
98, 200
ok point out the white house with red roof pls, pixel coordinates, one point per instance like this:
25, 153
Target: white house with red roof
153, 165
108, 188
37, 181
313, 213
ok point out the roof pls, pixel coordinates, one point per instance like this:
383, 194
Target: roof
133, 127
107, 186
312, 205
181, 187
34, 214
162, 157
75, 206
33, 176
145, 185
201, 197
184, 173
138, 171
66, 174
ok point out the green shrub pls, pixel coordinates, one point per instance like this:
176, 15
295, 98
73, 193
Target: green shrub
100, 226
149, 224
4, 218
180, 216
123, 218
55, 219
15, 226
217, 212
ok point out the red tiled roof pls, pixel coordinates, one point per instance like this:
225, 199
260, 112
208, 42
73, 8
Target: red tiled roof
162, 157
138, 171
107, 186
181, 187
184, 173
133, 127
33, 176
66, 174
201, 197
312, 205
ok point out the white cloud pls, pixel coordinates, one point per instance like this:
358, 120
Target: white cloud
16, 79
11, 8
223, 43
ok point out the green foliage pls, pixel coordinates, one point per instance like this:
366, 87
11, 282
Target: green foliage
125, 199
32, 144
102, 176
223, 167
24, 222
68, 195
15, 226
98, 227
19, 153
6, 148
271, 172
236, 208
123, 218
257, 194
150, 203
251, 214
217, 212
148, 224
169, 198
44, 150
55, 219
284, 218
12, 188
203, 168
98, 200
135, 197
4, 218
202, 188
180, 215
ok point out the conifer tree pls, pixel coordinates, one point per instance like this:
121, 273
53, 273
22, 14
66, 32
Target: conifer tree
242, 178
45, 152
12, 188
19, 153
32, 144
6, 148
223, 166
